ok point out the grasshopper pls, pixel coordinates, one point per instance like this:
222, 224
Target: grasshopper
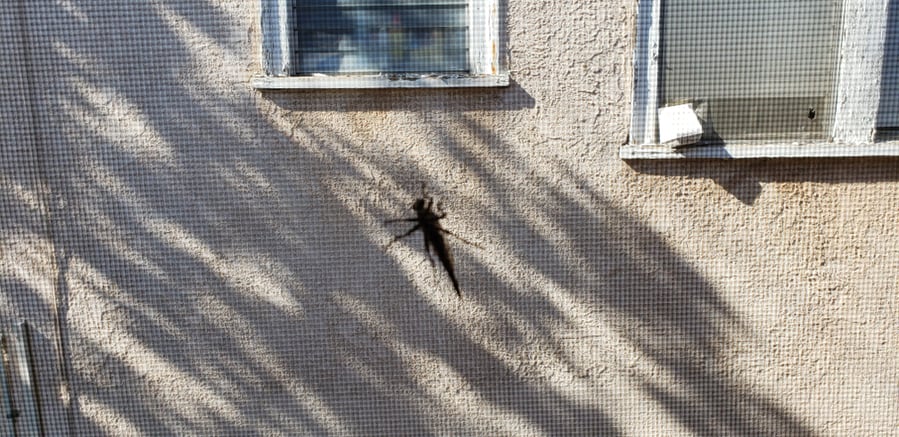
428, 220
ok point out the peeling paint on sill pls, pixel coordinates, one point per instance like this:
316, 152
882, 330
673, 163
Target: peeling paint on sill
380, 81
762, 151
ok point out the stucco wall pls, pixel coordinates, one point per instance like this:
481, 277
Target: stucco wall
216, 255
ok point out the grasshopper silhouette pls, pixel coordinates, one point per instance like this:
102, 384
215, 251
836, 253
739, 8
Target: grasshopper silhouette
428, 220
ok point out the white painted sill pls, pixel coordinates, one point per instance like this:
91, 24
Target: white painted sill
760, 151
379, 81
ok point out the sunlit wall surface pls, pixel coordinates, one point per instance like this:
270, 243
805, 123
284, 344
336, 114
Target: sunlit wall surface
196, 257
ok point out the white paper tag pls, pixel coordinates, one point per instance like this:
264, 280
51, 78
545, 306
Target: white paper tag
679, 125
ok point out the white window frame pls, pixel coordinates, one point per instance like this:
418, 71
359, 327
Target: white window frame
487, 65
861, 50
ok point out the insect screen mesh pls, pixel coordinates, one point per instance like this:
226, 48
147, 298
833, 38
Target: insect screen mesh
194, 256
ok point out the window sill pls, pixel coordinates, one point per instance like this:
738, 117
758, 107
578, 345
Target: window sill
379, 81
761, 151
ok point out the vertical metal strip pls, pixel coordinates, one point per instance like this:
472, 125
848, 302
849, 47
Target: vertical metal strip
8, 421
31, 411
293, 39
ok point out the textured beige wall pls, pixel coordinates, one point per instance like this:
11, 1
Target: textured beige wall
217, 254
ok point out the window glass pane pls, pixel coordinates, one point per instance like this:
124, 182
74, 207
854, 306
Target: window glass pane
888, 112
753, 69
382, 36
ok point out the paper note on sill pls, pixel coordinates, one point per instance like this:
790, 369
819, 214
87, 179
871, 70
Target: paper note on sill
679, 126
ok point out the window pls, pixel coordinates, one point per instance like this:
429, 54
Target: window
380, 44
768, 78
